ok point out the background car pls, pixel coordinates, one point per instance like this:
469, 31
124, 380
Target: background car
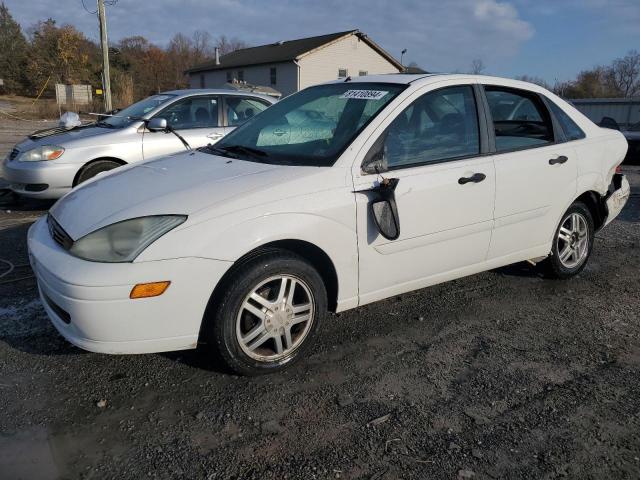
632, 134
51, 162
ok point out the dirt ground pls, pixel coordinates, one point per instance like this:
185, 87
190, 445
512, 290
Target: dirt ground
499, 375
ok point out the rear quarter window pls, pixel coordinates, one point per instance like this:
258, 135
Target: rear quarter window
571, 130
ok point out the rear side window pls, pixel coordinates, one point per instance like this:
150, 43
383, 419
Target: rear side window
240, 109
569, 127
520, 119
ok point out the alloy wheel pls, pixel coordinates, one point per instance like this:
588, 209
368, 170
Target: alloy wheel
572, 242
275, 317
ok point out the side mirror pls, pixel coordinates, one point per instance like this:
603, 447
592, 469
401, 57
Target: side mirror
157, 124
375, 161
385, 210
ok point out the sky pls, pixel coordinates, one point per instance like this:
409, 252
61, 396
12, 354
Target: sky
551, 39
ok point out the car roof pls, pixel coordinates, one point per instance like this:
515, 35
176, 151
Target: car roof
188, 92
424, 79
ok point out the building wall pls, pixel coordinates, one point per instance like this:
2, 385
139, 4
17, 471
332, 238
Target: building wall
625, 111
286, 77
350, 53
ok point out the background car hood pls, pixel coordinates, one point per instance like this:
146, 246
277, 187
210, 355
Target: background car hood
64, 138
180, 184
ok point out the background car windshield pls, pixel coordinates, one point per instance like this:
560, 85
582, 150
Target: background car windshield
126, 116
312, 127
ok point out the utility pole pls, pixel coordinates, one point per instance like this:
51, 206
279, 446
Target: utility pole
106, 79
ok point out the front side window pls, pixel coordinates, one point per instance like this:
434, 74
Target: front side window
520, 119
440, 125
240, 109
192, 112
311, 127
571, 130
136, 111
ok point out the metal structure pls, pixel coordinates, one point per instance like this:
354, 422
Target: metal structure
72, 95
625, 111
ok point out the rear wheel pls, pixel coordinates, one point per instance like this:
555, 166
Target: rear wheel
91, 170
572, 243
269, 315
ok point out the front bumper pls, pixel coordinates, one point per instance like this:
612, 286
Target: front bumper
617, 198
89, 304
23, 176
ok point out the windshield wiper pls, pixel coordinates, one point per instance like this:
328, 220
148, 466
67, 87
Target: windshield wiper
102, 123
255, 152
217, 151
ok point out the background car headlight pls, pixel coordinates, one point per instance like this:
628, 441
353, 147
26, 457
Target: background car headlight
38, 154
124, 241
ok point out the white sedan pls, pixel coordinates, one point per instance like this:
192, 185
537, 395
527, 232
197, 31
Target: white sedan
343, 194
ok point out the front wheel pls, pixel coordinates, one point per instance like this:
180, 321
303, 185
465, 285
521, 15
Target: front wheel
269, 315
572, 243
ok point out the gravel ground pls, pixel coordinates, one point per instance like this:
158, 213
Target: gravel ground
498, 375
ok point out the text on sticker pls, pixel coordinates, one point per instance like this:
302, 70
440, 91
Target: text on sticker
364, 94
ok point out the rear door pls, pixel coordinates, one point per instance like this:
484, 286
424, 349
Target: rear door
434, 146
197, 119
536, 171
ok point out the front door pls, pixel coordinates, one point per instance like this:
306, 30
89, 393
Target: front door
197, 119
535, 172
445, 195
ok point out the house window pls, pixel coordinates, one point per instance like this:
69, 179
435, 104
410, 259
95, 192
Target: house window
362, 73
241, 75
272, 75
202, 80
229, 77
342, 73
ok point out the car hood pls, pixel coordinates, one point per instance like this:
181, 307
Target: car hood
181, 184
62, 138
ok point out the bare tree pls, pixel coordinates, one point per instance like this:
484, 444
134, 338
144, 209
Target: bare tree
477, 66
624, 74
229, 44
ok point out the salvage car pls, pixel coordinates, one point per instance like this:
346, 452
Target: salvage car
406, 181
51, 162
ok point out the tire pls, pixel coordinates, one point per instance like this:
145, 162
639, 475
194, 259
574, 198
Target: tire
91, 170
556, 266
244, 332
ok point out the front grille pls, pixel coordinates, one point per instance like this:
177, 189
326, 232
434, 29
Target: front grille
13, 154
58, 234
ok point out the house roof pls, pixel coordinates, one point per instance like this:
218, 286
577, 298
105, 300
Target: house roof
285, 51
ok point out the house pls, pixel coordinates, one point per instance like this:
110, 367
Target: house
289, 66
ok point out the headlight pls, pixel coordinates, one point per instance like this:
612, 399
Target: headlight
124, 241
38, 154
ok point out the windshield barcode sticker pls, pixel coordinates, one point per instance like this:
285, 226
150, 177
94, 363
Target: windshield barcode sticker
364, 94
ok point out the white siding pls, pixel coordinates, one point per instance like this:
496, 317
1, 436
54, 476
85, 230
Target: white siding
351, 53
286, 77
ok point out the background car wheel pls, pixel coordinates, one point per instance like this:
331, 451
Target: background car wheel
269, 314
572, 243
91, 170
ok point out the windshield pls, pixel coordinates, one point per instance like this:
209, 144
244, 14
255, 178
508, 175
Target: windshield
310, 128
132, 112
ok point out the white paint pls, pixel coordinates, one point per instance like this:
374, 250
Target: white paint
448, 230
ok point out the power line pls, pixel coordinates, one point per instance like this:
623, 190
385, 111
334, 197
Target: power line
85, 7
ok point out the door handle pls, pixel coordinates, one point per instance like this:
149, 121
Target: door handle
560, 159
475, 178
